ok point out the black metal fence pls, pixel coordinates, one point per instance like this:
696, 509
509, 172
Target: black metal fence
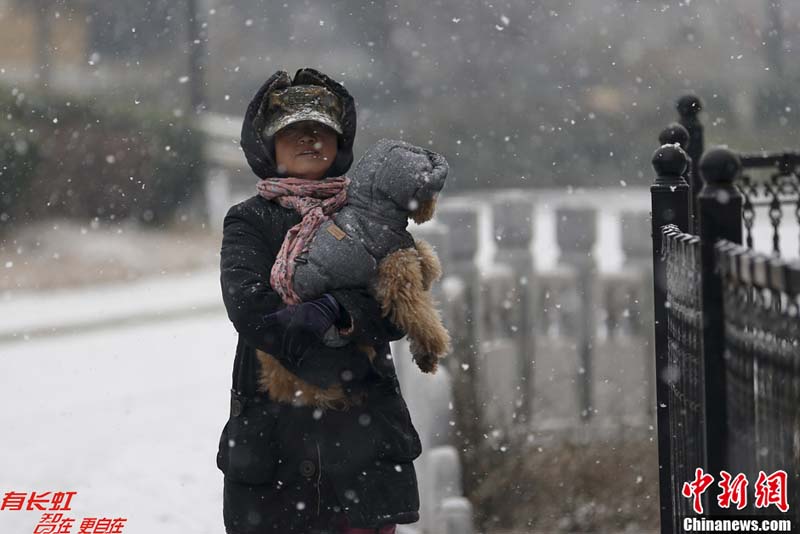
681, 253
726, 321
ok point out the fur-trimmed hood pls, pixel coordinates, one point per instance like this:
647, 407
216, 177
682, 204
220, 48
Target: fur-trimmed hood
260, 151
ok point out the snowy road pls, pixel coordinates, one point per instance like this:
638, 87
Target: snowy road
128, 417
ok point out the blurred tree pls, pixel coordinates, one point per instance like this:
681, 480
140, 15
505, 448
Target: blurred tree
196, 42
374, 26
774, 38
44, 15
130, 29
776, 95
42, 12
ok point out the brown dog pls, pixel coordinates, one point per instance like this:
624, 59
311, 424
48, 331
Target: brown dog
403, 291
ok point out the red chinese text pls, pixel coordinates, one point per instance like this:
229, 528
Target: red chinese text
733, 490
771, 490
696, 488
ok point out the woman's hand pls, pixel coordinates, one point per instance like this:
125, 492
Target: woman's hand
314, 317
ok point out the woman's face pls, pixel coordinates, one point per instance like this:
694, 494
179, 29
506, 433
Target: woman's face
305, 149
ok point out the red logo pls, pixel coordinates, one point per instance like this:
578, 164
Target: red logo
768, 490
58, 500
56, 523
53, 524
771, 490
733, 491
696, 488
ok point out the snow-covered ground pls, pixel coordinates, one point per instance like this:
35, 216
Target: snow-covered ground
33, 313
128, 417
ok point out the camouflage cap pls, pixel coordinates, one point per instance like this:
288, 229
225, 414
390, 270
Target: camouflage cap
303, 103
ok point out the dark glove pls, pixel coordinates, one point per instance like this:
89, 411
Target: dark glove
314, 317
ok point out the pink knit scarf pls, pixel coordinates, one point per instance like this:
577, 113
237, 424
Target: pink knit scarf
315, 201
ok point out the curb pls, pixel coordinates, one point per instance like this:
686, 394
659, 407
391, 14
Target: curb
34, 315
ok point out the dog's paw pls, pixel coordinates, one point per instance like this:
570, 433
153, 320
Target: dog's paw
435, 341
428, 363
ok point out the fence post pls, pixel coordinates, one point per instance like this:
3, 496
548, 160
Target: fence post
576, 233
496, 364
512, 215
689, 108
676, 133
720, 217
670, 205
455, 516
217, 196
636, 248
461, 220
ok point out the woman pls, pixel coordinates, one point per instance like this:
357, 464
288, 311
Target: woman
291, 468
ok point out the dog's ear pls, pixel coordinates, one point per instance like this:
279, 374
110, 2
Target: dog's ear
429, 262
424, 211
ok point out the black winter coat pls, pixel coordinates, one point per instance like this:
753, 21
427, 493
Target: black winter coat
298, 469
